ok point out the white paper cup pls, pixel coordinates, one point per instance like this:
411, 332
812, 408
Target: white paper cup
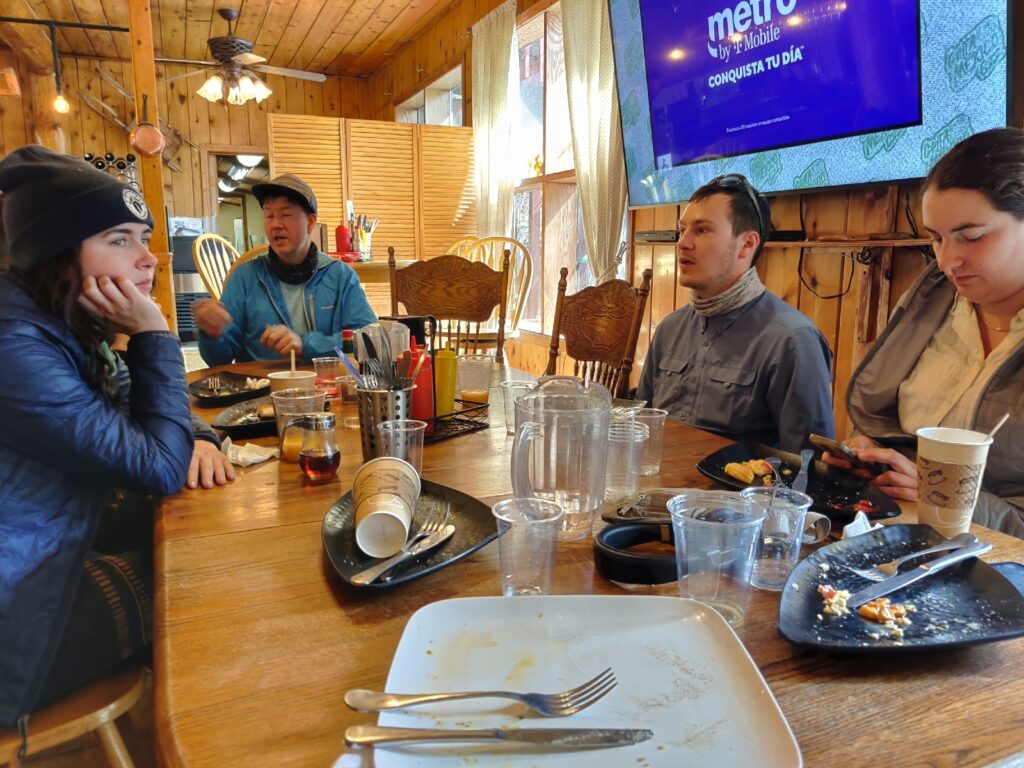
950, 466
291, 380
384, 491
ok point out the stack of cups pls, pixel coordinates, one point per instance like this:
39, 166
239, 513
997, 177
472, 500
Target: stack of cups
384, 492
626, 440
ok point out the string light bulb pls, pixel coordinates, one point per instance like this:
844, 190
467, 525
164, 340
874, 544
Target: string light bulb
61, 105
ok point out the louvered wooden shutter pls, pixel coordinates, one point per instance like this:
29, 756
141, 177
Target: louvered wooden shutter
312, 149
447, 194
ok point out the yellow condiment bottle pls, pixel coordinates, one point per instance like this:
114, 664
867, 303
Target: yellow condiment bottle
444, 382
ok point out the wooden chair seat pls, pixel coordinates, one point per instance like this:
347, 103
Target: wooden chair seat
94, 708
460, 293
601, 325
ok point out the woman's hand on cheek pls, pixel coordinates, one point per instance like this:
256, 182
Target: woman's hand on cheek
121, 304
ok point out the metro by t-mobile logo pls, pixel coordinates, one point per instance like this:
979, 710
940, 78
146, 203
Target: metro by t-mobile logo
724, 24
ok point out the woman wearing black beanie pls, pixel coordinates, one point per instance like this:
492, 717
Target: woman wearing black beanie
84, 434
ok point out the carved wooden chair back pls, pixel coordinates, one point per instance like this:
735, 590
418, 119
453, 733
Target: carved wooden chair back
252, 253
491, 250
460, 293
601, 325
213, 256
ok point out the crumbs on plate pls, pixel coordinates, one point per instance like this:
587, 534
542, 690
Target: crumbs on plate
892, 616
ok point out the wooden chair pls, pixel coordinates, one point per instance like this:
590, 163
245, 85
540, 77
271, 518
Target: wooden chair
459, 247
601, 325
94, 708
490, 251
460, 293
213, 256
252, 253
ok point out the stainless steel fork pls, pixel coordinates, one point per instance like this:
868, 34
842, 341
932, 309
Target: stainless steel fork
436, 518
886, 570
548, 704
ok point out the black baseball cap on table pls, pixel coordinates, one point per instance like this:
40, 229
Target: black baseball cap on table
290, 186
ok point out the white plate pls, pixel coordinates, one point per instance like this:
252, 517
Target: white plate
682, 672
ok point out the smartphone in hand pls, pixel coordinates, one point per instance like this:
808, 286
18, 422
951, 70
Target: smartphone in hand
844, 452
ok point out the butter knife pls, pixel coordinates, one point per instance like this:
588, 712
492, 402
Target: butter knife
925, 569
569, 738
376, 571
800, 484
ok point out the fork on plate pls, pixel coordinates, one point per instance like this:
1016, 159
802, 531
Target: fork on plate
435, 519
547, 704
887, 570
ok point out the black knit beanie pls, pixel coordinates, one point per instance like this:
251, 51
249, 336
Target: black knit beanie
53, 202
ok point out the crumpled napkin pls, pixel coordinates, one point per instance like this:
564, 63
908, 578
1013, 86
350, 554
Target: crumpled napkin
246, 454
859, 525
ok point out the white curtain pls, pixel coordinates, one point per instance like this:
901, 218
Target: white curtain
495, 113
596, 131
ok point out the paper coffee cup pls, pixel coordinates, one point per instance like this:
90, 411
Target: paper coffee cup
950, 466
291, 380
384, 491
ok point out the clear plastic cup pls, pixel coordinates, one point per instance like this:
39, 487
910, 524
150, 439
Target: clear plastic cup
327, 370
403, 439
347, 406
715, 535
626, 440
473, 374
510, 390
654, 418
778, 547
527, 533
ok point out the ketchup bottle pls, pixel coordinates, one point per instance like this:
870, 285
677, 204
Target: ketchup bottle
423, 394
342, 239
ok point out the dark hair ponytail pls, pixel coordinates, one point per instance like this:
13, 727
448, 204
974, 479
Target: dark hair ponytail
56, 285
990, 162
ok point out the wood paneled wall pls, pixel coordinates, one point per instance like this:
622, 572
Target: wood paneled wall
198, 120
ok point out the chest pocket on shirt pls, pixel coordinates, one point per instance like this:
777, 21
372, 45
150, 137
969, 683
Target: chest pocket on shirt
672, 365
731, 378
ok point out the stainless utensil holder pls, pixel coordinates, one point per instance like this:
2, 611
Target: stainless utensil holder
375, 406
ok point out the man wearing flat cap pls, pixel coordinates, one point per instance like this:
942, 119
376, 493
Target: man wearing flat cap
291, 298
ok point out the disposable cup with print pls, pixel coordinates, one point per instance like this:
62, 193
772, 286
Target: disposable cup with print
291, 380
384, 492
950, 468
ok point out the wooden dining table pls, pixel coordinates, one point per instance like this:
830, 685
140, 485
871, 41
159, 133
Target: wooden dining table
257, 638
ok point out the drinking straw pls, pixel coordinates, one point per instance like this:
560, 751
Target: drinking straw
293, 360
997, 426
351, 368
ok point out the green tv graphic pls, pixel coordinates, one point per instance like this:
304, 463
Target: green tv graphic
875, 144
936, 145
976, 54
765, 168
814, 175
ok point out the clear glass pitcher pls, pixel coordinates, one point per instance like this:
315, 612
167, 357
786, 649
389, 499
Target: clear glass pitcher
560, 448
319, 455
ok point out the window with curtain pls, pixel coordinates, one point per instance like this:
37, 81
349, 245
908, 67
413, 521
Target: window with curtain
440, 103
547, 217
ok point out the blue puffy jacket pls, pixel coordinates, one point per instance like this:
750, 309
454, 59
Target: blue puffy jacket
254, 300
63, 449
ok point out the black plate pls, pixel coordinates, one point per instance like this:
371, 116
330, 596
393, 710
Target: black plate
232, 389
240, 420
474, 527
835, 492
968, 603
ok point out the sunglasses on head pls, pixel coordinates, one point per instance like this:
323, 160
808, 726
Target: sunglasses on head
736, 181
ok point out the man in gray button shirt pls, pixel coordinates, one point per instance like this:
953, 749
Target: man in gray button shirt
737, 360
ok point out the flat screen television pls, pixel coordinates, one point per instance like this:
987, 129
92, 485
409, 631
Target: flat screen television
801, 94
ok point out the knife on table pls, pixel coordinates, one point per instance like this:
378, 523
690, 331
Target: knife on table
569, 738
925, 569
375, 571
800, 484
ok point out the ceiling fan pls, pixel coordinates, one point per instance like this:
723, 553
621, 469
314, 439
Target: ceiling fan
234, 77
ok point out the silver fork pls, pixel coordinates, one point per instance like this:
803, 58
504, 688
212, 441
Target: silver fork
213, 383
886, 570
548, 704
435, 519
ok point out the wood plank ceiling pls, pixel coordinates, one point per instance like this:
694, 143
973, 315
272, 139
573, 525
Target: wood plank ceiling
346, 38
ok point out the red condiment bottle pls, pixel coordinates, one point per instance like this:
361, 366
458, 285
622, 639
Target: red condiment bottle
342, 239
423, 395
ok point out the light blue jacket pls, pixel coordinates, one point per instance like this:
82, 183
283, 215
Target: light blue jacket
334, 299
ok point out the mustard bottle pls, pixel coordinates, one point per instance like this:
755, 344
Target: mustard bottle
444, 382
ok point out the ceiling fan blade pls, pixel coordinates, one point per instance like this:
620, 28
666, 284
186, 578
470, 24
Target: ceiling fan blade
315, 77
248, 59
192, 62
182, 76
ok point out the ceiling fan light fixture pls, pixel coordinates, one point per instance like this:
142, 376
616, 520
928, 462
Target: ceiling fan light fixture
235, 95
261, 90
226, 186
249, 161
213, 88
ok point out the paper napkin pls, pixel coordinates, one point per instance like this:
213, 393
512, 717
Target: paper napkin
247, 454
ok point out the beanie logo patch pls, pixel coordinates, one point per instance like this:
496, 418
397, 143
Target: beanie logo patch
134, 202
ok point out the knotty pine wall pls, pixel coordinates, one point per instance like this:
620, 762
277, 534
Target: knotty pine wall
205, 124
